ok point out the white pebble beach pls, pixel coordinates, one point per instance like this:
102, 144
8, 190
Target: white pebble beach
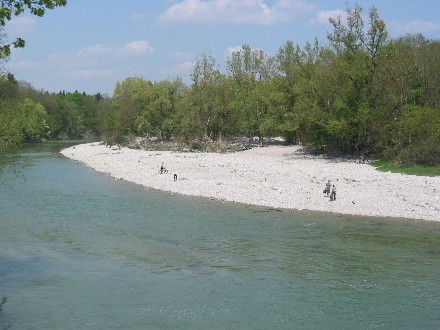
281, 177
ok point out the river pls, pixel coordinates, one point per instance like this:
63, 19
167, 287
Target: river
80, 250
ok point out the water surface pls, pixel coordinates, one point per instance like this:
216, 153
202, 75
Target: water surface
80, 250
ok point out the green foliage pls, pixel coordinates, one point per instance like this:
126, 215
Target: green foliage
421, 136
28, 115
73, 115
252, 72
143, 108
364, 93
361, 93
22, 121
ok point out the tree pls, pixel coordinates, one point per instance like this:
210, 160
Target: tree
23, 121
8, 87
206, 83
421, 132
358, 53
251, 71
157, 106
127, 103
306, 88
10, 8
405, 92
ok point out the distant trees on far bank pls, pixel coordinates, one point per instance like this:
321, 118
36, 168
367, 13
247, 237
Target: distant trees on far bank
29, 115
363, 92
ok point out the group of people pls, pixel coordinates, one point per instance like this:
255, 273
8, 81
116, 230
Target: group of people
164, 170
362, 160
330, 191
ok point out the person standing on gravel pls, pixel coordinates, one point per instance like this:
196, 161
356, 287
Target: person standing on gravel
333, 193
327, 188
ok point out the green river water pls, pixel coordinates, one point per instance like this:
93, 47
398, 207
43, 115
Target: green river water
79, 250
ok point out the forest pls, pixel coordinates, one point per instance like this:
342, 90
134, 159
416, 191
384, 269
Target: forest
359, 92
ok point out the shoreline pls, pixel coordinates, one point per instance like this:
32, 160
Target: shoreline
279, 177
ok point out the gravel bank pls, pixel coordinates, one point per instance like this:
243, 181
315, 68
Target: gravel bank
274, 176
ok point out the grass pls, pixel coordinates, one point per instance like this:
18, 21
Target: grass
389, 166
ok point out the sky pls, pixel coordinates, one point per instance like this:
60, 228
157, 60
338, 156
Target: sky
90, 45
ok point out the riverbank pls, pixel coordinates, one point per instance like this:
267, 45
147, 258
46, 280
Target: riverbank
274, 176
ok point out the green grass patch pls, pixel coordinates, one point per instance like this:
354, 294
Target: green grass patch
389, 166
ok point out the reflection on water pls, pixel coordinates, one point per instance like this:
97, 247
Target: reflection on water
79, 250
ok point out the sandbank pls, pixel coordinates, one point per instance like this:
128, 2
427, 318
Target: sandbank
283, 177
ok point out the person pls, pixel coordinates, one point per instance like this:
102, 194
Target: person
362, 160
327, 188
175, 177
333, 193
162, 168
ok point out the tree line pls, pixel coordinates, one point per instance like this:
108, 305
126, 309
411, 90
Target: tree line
30, 115
362, 92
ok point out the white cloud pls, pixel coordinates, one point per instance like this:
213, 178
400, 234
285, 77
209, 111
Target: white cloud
184, 67
24, 64
181, 66
100, 52
20, 25
414, 27
94, 51
323, 16
234, 11
236, 49
181, 69
135, 48
233, 49
99, 60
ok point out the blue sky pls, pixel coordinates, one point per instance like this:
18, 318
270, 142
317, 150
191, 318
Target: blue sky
89, 45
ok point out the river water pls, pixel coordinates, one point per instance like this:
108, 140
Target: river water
79, 250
